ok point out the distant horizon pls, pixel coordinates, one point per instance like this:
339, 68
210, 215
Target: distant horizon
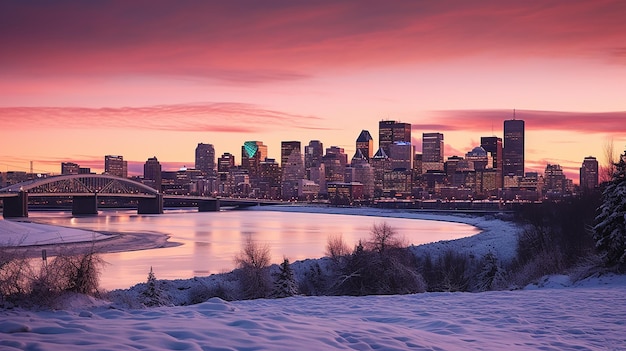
83, 80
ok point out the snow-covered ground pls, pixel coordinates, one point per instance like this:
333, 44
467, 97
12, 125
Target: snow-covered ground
25, 233
555, 314
587, 317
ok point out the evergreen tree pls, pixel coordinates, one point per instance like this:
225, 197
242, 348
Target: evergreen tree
609, 231
491, 274
285, 284
153, 295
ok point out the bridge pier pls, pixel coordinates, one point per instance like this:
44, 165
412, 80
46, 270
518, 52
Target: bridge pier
16, 206
209, 205
85, 205
150, 206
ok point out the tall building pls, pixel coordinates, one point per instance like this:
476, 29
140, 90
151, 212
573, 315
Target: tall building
115, 166
205, 159
390, 132
365, 143
225, 162
513, 155
152, 173
493, 146
70, 168
401, 155
292, 173
589, 174
252, 154
341, 155
432, 152
313, 156
286, 147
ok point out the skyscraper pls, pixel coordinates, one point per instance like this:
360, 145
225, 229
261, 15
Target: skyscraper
432, 152
313, 156
365, 143
252, 154
589, 174
286, 147
116, 166
69, 168
513, 155
493, 146
205, 159
390, 132
152, 173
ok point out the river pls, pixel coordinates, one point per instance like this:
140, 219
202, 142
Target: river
209, 241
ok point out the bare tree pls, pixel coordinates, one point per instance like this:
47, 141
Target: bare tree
608, 161
336, 247
382, 238
253, 262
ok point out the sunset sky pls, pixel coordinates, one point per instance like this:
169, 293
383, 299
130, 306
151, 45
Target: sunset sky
83, 79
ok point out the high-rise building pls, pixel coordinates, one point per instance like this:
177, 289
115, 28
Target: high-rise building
115, 166
341, 155
401, 155
225, 162
205, 159
432, 152
152, 173
286, 147
292, 173
313, 156
589, 174
365, 143
493, 146
252, 154
513, 155
390, 132
70, 168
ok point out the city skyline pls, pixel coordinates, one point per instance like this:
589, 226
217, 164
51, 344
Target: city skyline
85, 80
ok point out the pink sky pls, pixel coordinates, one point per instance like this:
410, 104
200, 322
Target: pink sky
79, 80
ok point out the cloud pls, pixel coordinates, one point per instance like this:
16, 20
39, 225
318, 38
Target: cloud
205, 117
246, 41
486, 120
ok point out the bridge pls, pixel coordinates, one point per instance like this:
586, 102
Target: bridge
85, 190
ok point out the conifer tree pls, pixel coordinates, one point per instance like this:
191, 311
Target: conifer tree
285, 284
609, 231
153, 295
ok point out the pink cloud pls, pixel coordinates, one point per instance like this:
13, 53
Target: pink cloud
485, 120
253, 42
213, 117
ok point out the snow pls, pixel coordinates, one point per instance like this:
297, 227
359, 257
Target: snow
21, 233
554, 314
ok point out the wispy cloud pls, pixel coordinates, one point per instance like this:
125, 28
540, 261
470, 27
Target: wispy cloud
487, 120
206, 117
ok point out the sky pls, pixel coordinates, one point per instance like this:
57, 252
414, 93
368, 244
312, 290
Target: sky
80, 80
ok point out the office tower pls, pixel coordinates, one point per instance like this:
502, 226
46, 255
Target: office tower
152, 173
286, 147
205, 159
334, 165
252, 154
313, 156
554, 179
392, 131
432, 152
513, 155
115, 166
292, 173
493, 146
365, 143
381, 164
268, 182
589, 174
401, 155
225, 162
70, 168
341, 155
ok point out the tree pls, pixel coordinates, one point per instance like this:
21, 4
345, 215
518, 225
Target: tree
336, 247
153, 295
285, 284
609, 231
253, 262
382, 238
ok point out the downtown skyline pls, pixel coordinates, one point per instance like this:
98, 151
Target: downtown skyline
84, 80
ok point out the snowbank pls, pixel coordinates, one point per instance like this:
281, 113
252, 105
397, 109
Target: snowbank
22, 233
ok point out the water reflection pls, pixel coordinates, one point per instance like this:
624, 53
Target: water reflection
211, 240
